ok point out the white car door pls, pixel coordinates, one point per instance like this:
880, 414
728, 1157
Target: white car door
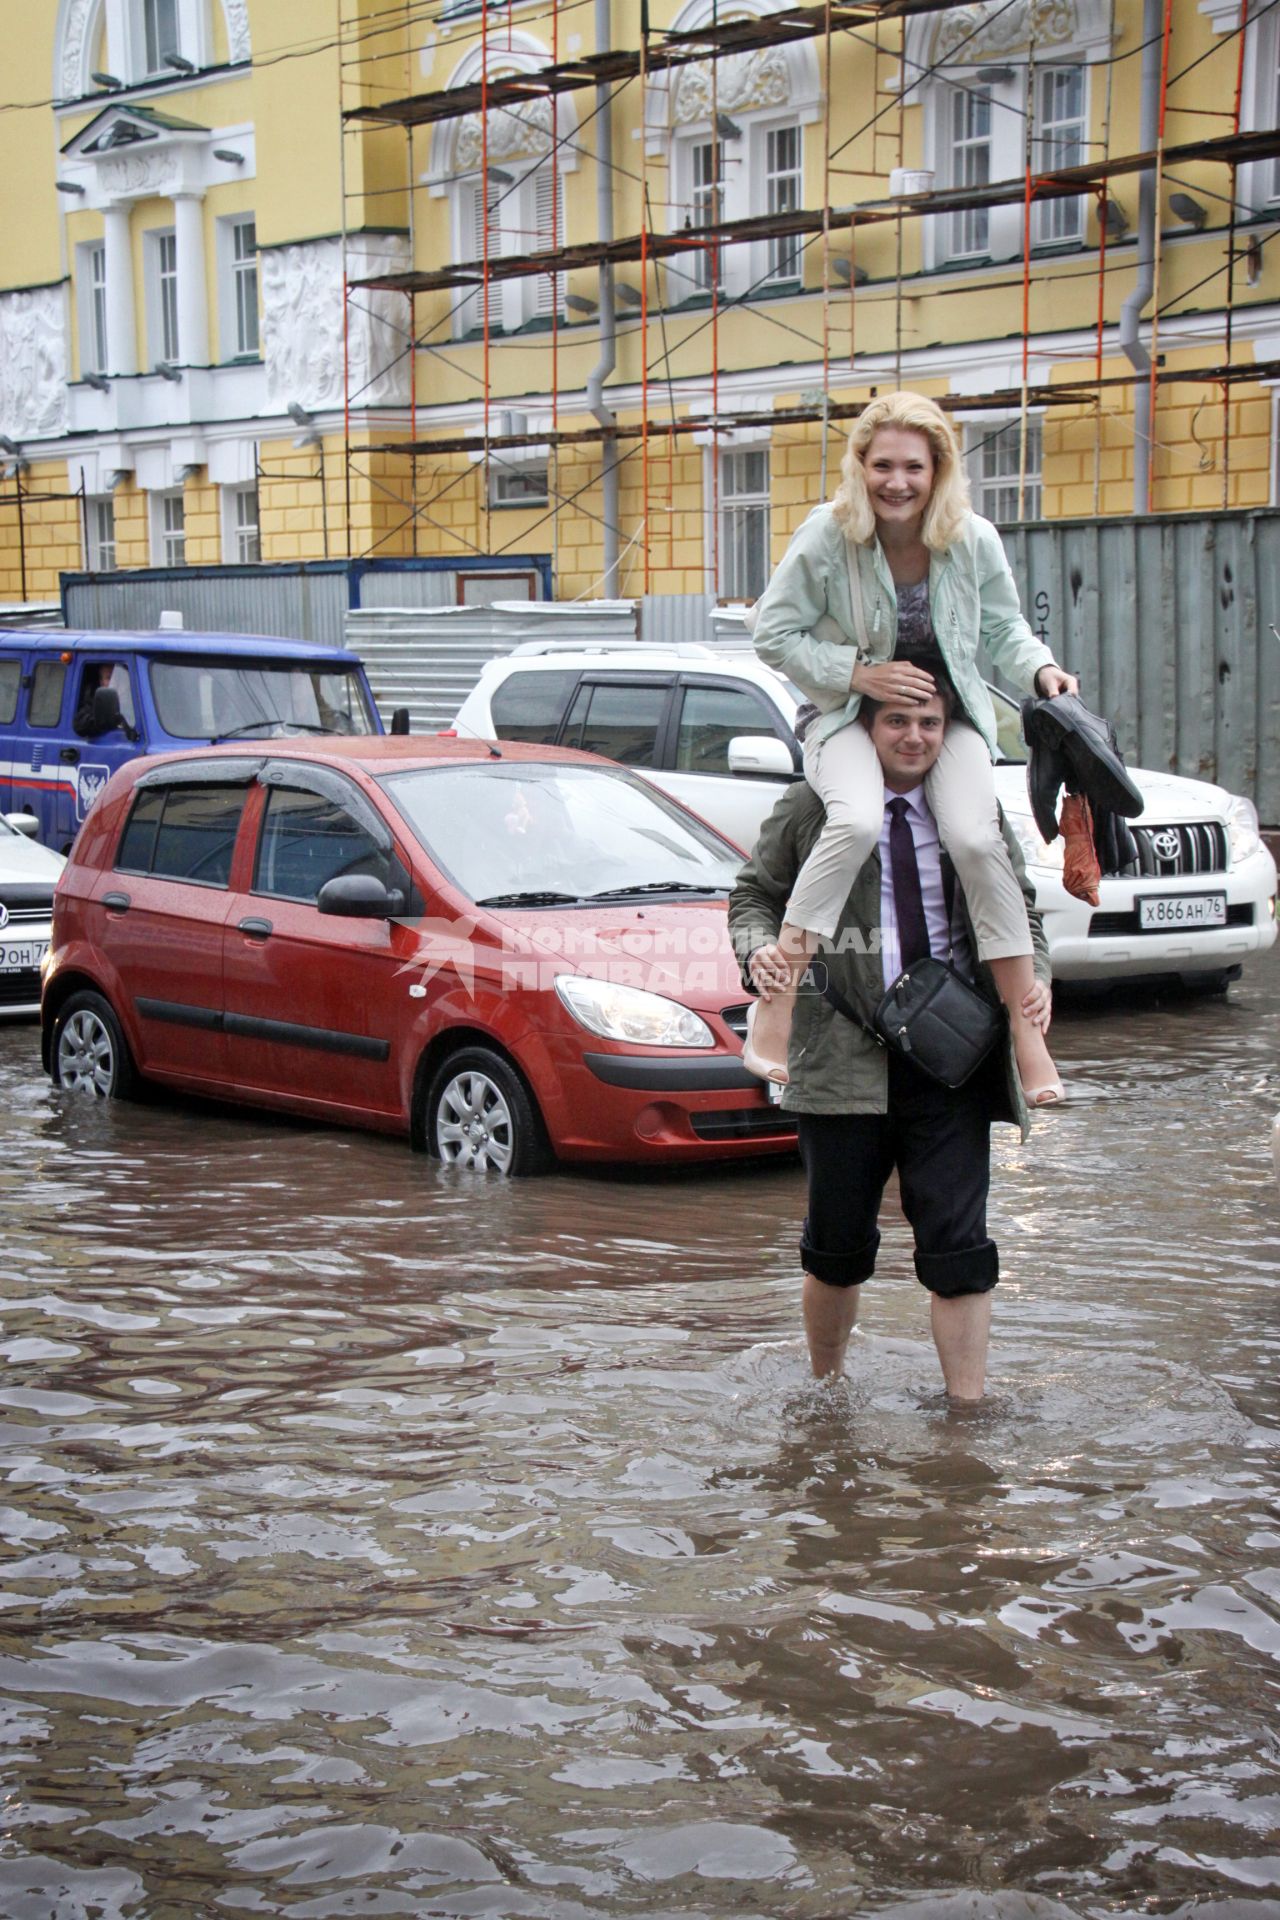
708, 714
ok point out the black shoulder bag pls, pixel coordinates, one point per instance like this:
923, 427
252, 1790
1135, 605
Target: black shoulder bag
932, 1015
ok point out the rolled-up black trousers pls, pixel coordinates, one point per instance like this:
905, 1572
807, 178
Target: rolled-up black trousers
940, 1143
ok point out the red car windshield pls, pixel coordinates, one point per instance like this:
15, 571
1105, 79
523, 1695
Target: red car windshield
502, 830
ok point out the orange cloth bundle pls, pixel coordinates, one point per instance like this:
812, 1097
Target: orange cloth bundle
1080, 870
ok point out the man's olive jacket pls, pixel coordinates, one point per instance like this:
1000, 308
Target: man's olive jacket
836, 1067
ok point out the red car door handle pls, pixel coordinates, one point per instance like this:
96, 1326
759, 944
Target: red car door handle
119, 902
256, 929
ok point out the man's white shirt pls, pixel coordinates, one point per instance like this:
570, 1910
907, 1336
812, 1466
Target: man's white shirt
943, 943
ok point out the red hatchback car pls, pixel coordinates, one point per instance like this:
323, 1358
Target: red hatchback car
512, 955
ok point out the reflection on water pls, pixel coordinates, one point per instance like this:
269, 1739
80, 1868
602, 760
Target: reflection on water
379, 1540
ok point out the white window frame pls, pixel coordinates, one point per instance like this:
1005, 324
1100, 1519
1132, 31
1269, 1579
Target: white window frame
91, 305
241, 535
234, 269
731, 502
194, 38
520, 212
518, 482
162, 312
953, 239
982, 447
1059, 142
783, 193
168, 528
1259, 184
101, 511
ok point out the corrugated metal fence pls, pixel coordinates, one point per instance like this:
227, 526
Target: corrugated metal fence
429, 658
307, 601
1169, 623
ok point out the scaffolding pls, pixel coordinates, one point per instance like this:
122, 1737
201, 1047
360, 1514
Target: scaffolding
695, 248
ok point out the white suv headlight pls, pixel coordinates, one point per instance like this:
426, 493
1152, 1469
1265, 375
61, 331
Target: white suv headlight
628, 1013
1035, 851
1242, 825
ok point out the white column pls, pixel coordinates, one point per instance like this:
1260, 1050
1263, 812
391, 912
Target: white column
122, 334
193, 311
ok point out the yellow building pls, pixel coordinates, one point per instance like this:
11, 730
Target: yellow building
227, 220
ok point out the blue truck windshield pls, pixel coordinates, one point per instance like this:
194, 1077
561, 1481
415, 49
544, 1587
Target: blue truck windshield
223, 699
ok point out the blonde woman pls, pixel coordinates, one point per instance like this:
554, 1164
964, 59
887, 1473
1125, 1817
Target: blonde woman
884, 593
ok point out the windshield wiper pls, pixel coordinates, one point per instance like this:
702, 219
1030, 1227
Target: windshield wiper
252, 726
655, 886
534, 898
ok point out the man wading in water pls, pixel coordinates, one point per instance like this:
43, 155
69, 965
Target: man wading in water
863, 1110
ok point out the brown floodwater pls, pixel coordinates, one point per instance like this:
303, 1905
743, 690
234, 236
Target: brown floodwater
381, 1540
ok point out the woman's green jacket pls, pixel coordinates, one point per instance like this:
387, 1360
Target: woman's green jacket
803, 623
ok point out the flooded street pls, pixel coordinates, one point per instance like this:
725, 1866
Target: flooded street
384, 1540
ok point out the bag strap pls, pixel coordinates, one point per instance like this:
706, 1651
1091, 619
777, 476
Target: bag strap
834, 997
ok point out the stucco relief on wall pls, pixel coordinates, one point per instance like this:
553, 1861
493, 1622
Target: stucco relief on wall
302, 325
33, 363
237, 18
742, 81
525, 132
132, 174
75, 26
989, 29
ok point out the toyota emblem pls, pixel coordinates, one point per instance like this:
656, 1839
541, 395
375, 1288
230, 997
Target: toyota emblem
1167, 844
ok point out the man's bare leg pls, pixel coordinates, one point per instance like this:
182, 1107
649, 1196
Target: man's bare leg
961, 1333
829, 1316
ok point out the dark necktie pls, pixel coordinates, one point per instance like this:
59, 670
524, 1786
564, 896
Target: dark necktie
913, 931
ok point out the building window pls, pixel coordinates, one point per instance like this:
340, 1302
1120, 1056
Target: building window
548, 232
969, 165
244, 278
993, 451
94, 351
102, 534
744, 524
1060, 142
163, 295
525, 215
522, 486
783, 195
977, 133
481, 241
168, 529
159, 33
242, 543
706, 209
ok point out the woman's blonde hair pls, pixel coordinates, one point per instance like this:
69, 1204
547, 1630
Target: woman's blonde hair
948, 503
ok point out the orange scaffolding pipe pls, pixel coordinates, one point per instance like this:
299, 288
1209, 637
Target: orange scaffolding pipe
1166, 38
1231, 261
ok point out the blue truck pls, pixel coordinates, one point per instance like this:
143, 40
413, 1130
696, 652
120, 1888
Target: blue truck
75, 706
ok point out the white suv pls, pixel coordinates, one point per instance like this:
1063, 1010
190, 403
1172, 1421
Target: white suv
713, 726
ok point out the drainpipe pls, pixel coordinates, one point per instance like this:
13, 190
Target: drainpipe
608, 323
1130, 331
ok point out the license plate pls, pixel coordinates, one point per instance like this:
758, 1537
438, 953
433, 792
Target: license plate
23, 959
1160, 910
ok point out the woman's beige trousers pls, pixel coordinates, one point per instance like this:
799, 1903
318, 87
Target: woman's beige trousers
845, 772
